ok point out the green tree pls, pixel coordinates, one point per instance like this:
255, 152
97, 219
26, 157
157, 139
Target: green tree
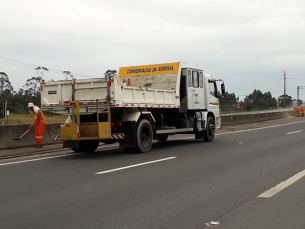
228, 102
269, 101
299, 102
5, 84
288, 101
258, 100
32, 90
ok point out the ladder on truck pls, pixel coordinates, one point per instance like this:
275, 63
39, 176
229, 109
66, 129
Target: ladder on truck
77, 130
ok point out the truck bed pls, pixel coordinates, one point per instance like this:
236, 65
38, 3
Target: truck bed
56, 94
151, 86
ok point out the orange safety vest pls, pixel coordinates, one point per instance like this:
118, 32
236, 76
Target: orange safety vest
38, 118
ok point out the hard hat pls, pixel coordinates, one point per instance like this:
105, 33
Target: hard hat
30, 105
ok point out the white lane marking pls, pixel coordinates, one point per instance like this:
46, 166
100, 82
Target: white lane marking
271, 192
44, 158
131, 166
38, 159
295, 132
261, 128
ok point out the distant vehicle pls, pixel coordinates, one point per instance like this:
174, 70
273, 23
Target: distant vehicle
138, 105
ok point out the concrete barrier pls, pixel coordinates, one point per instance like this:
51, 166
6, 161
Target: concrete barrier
233, 119
7, 133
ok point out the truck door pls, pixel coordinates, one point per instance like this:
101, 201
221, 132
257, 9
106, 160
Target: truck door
213, 100
196, 90
189, 90
193, 93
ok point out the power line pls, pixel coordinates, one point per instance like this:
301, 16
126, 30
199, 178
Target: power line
295, 79
28, 65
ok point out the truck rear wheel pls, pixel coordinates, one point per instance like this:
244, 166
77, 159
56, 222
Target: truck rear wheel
88, 146
210, 130
144, 137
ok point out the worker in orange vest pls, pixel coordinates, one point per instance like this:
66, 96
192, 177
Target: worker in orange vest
40, 122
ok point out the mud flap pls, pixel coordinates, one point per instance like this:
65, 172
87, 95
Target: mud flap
129, 130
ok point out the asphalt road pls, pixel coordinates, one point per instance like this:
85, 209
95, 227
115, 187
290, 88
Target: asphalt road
179, 184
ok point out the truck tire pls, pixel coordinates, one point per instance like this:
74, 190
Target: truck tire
210, 130
88, 146
144, 138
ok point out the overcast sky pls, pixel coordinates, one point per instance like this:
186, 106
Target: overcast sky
248, 44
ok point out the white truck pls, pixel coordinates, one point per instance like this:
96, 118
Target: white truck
135, 107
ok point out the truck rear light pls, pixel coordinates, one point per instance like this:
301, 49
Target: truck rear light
116, 124
57, 126
41, 88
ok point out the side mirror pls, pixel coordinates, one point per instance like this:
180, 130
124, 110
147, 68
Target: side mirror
223, 89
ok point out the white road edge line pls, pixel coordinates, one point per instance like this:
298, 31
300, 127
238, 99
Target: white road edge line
295, 132
131, 166
38, 159
260, 128
281, 186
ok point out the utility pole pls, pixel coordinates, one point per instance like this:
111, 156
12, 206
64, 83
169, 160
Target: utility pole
2, 103
285, 89
299, 87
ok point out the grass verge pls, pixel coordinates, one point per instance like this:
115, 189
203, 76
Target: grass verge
15, 119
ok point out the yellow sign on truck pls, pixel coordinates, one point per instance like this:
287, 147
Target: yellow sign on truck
147, 70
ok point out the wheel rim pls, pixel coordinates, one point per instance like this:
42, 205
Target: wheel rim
144, 136
211, 129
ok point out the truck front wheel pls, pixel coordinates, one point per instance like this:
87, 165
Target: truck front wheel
210, 130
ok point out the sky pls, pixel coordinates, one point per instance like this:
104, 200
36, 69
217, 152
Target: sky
248, 44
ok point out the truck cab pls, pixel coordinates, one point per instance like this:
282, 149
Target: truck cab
199, 92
